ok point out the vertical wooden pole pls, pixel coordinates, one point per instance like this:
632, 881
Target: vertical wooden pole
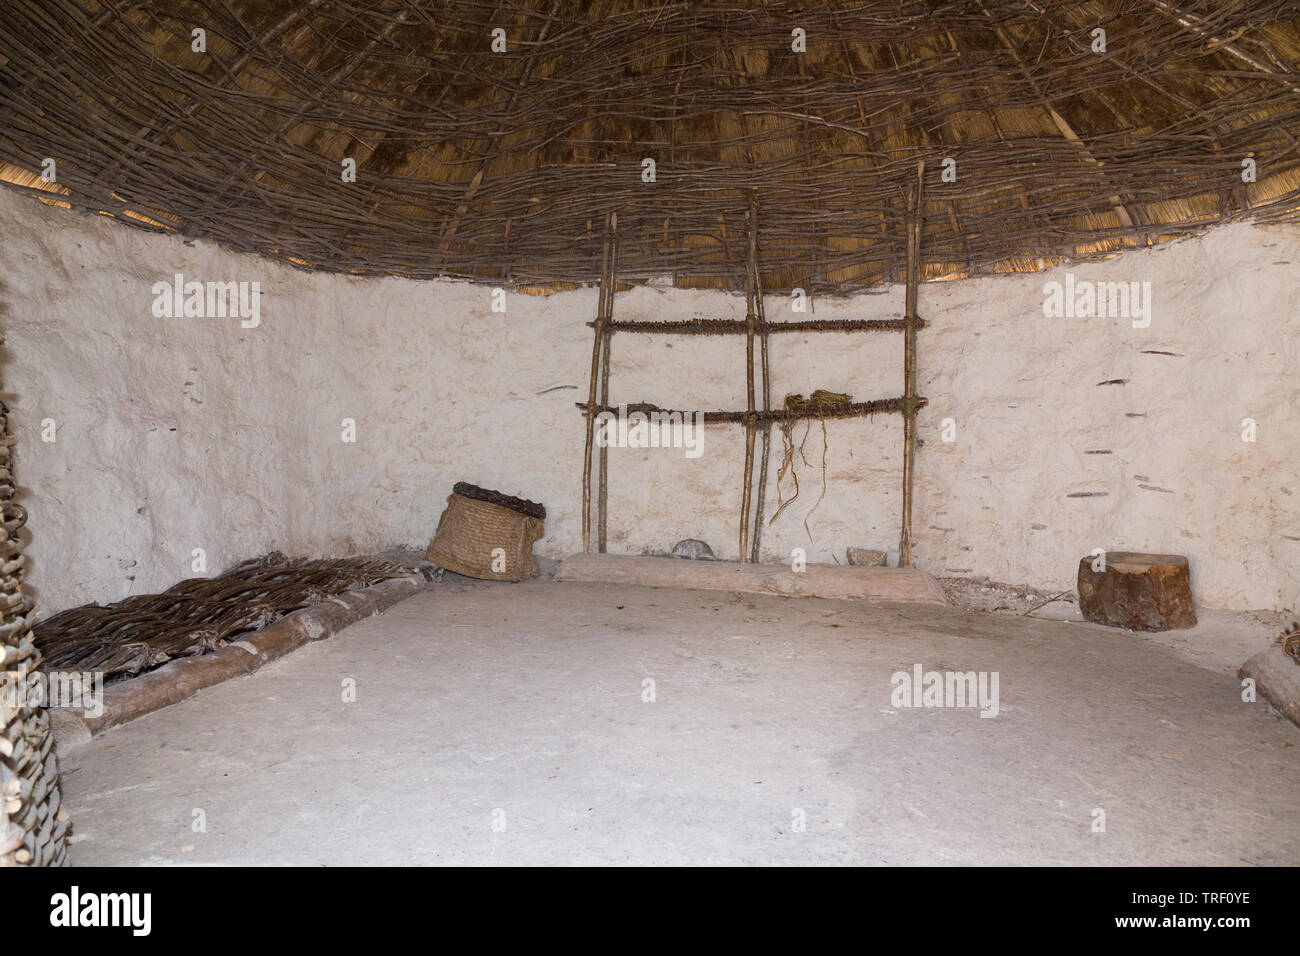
602, 498
596, 346
761, 318
914, 205
750, 321
602, 490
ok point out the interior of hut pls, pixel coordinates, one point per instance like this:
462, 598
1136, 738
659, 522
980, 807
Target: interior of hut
472, 432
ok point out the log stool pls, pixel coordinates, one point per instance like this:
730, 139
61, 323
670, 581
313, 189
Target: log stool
1142, 592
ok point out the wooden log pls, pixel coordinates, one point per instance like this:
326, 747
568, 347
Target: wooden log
1139, 591
1277, 678
182, 678
816, 580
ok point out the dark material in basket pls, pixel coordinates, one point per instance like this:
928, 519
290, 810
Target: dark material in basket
525, 507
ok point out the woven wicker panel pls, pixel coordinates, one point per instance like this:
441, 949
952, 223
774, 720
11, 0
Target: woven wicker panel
33, 824
471, 530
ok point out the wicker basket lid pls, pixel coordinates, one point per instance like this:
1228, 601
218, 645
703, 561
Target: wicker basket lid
525, 507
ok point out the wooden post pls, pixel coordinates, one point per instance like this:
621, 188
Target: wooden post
909, 404
756, 284
596, 347
749, 438
602, 496
750, 320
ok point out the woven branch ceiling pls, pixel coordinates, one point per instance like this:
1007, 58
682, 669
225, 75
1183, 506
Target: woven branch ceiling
502, 166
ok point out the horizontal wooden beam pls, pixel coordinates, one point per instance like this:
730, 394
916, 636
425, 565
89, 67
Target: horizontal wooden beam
759, 417
739, 327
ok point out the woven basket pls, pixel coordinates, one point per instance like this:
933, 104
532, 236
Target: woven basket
472, 529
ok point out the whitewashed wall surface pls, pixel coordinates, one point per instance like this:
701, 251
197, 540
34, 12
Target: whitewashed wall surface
1177, 429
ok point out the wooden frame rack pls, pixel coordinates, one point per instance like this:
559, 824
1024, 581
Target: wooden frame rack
759, 415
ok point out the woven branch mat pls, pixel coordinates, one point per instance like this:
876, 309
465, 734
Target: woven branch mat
197, 615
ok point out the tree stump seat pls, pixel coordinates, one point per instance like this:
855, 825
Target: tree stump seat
1139, 591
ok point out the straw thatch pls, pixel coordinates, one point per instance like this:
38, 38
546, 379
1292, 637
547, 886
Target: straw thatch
502, 165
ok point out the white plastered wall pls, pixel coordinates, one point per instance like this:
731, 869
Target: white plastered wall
175, 433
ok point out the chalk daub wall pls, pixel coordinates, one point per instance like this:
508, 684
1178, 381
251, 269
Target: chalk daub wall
1068, 434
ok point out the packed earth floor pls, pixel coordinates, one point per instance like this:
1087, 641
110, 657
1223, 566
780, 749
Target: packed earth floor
550, 723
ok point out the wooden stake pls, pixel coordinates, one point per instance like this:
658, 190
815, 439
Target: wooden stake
756, 284
914, 200
602, 498
596, 346
749, 438
750, 408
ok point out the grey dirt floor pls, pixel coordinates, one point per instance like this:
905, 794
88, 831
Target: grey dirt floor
510, 724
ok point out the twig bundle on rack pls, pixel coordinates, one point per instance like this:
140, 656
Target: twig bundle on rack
197, 615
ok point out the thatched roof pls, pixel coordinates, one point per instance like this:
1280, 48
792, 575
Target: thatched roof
503, 165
